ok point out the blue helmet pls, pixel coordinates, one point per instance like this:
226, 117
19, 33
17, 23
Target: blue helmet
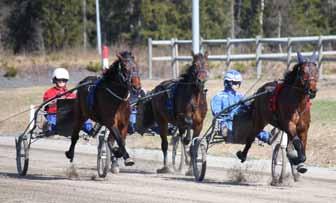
232, 77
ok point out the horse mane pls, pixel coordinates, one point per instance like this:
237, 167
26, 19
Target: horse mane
113, 69
290, 76
188, 73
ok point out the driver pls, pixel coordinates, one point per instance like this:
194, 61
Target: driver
135, 93
229, 96
60, 78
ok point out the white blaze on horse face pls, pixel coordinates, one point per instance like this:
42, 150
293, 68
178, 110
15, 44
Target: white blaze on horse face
202, 75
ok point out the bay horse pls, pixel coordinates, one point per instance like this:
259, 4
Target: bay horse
109, 107
287, 107
184, 105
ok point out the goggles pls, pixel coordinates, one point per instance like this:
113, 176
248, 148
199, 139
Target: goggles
61, 80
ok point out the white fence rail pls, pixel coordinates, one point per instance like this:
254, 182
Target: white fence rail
258, 56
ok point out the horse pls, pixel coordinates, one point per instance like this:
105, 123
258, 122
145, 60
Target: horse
287, 107
109, 104
184, 105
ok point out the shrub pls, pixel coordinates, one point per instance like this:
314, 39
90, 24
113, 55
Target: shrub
93, 66
65, 65
10, 70
241, 67
214, 65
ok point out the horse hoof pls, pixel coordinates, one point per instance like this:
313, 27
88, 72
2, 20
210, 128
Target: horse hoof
129, 162
115, 169
165, 169
241, 156
69, 155
301, 168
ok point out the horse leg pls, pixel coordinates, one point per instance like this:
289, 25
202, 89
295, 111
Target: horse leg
74, 138
181, 133
299, 146
114, 159
197, 130
243, 154
121, 144
164, 147
186, 140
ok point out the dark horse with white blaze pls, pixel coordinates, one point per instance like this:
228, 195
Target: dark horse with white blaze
110, 106
288, 107
184, 106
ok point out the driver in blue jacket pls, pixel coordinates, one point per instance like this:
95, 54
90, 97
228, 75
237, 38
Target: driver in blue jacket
230, 96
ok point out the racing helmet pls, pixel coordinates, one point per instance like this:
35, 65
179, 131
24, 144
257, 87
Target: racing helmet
232, 77
60, 73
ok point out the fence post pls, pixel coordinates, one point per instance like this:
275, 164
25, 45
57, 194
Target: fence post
176, 61
289, 52
173, 59
258, 53
320, 56
150, 75
228, 52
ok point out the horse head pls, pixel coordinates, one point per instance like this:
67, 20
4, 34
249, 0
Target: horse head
199, 67
120, 71
307, 74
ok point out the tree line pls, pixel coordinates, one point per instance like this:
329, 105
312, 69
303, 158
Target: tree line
47, 25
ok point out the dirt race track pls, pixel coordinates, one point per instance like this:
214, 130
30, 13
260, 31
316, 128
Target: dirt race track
49, 180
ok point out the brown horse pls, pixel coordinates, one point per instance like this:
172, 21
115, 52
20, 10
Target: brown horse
184, 105
109, 106
287, 107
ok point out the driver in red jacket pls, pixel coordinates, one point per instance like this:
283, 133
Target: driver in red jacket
60, 78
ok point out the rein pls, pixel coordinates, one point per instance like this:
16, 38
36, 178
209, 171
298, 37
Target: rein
149, 96
116, 96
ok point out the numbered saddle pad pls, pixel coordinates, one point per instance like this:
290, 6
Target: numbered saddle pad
65, 116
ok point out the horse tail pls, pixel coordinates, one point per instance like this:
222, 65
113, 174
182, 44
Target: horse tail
149, 115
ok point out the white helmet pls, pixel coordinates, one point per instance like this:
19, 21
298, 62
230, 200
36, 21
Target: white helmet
60, 73
233, 75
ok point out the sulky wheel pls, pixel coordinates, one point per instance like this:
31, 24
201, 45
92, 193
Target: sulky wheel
178, 153
198, 158
22, 154
279, 160
103, 157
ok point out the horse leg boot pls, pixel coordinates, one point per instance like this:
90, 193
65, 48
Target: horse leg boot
114, 158
164, 148
298, 146
122, 149
186, 140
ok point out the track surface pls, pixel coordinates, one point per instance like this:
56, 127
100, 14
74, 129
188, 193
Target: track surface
48, 180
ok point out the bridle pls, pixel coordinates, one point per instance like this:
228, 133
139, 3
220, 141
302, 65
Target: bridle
201, 72
125, 67
307, 77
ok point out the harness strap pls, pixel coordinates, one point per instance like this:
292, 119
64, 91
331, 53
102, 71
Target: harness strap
308, 104
91, 93
116, 96
274, 98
